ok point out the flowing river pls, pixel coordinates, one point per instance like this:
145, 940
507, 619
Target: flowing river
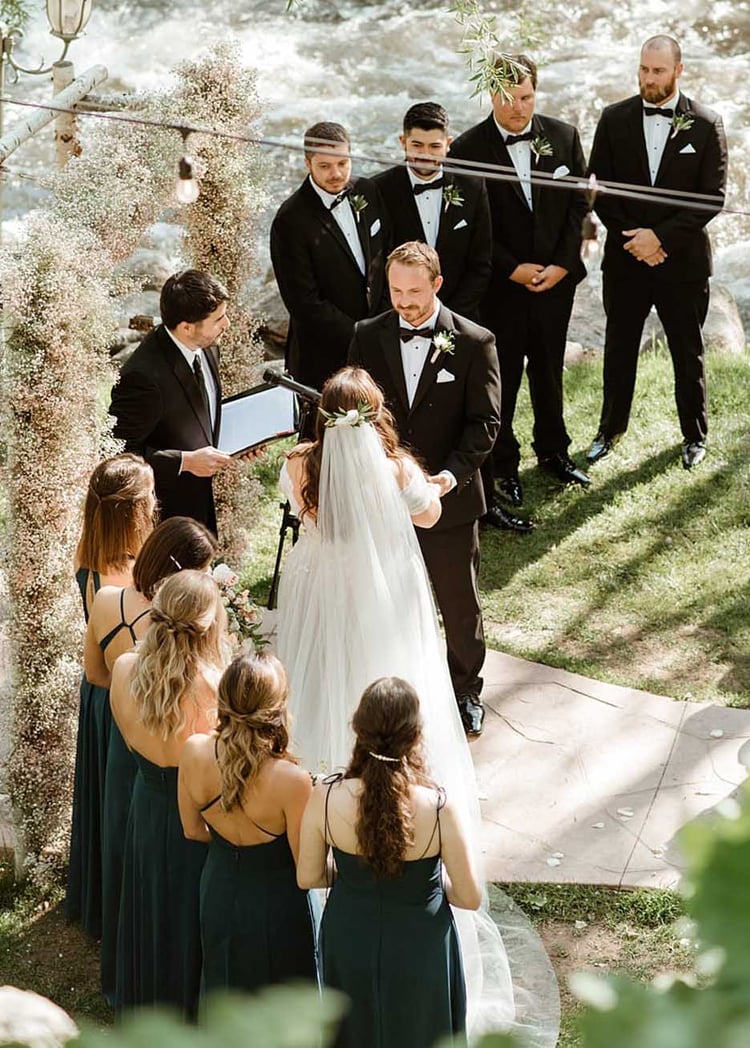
363, 64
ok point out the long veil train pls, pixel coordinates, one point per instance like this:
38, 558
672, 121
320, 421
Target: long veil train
355, 604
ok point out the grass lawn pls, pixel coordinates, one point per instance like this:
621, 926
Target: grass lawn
643, 579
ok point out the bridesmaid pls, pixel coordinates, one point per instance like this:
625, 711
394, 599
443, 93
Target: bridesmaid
256, 927
117, 518
387, 938
161, 695
120, 617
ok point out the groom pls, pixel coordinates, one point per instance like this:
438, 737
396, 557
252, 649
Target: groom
440, 376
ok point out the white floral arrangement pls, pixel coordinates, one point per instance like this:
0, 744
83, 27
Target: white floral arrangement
444, 342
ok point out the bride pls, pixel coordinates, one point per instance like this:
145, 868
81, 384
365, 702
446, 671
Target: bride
354, 605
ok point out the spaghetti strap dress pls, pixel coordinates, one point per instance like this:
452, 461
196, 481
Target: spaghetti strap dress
256, 923
118, 788
83, 896
158, 958
391, 946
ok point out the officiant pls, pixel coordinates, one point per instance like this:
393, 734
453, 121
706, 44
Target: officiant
167, 403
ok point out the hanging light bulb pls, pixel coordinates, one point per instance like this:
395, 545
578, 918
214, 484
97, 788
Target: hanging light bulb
187, 189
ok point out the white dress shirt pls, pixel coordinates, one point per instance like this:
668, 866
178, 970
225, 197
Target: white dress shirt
428, 204
413, 359
656, 132
347, 221
208, 375
520, 154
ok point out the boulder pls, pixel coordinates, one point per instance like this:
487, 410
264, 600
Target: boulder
587, 322
273, 319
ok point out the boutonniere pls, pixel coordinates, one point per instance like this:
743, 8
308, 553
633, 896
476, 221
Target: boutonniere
540, 147
681, 122
444, 342
359, 203
452, 196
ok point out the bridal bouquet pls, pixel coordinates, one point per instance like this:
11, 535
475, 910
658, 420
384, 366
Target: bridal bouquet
243, 614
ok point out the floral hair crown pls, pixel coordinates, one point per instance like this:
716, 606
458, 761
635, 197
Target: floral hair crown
363, 412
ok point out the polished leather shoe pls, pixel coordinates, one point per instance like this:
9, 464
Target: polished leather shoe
510, 489
472, 714
600, 448
693, 453
497, 517
563, 468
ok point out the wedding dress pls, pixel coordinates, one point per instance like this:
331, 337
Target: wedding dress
355, 604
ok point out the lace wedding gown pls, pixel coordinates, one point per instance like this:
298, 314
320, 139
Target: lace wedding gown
355, 604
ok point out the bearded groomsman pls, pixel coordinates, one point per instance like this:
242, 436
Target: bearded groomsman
536, 264
328, 246
440, 378
449, 212
657, 254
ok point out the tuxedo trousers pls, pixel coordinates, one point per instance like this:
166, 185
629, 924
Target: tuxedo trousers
452, 559
682, 308
530, 329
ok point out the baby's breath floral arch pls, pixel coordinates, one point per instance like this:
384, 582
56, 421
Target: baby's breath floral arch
61, 292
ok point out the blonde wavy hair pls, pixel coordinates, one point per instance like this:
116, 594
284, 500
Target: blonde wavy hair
187, 634
253, 722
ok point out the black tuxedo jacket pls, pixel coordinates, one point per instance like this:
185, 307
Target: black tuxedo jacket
320, 281
550, 234
694, 160
464, 241
451, 424
159, 412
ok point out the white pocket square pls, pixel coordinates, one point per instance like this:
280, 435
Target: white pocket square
689, 148
445, 376
461, 225
561, 171
375, 227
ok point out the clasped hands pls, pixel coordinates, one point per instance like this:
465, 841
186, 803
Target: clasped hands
537, 278
644, 246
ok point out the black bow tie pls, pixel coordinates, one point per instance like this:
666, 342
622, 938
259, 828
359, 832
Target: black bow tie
340, 198
658, 111
511, 140
425, 187
407, 334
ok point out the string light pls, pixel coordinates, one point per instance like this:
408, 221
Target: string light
187, 189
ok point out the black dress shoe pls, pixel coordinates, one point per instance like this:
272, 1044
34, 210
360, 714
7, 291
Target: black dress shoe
510, 489
472, 714
600, 448
563, 468
497, 517
693, 453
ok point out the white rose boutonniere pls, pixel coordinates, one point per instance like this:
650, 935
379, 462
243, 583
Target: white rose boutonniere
444, 342
681, 122
452, 196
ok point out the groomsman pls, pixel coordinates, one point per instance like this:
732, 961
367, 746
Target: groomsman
440, 377
535, 268
167, 401
657, 254
449, 212
328, 245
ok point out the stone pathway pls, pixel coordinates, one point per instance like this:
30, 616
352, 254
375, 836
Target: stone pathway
589, 783
585, 782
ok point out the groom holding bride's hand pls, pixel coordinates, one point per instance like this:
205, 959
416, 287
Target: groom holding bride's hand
439, 373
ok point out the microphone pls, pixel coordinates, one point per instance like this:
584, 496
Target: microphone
281, 378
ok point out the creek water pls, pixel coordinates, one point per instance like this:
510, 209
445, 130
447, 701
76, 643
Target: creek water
363, 64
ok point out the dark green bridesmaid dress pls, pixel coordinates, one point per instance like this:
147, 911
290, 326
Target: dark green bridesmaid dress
391, 946
158, 934
118, 789
83, 896
256, 925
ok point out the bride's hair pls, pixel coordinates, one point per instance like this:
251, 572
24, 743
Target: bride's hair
388, 761
348, 388
253, 721
187, 633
